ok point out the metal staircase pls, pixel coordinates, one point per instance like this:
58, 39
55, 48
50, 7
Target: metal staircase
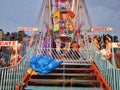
76, 72
68, 75
69, 72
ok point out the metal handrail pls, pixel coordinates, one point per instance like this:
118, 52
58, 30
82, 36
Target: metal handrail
110, 73
11, 76
71, 56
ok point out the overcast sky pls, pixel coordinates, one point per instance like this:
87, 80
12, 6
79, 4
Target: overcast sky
105, 13
17, 13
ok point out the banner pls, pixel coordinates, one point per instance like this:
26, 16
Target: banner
116, 45
7, 43
27, 29
101, 29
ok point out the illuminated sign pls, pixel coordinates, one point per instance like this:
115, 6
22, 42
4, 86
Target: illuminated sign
7, 43
116, 45
102, 29
27, 29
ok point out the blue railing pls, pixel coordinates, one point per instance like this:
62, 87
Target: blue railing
110, 73
71, 56
11, 76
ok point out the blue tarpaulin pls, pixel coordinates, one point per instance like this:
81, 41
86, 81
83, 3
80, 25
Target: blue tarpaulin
44, 64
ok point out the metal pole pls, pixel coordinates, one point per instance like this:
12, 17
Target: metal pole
113, 63
113, 59
14, 67
16, 53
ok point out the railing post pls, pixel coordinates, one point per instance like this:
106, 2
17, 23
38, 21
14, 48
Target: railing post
113, 63
114, 80
1, 81
113, 59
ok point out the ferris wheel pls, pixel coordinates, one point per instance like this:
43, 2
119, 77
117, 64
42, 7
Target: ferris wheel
62, 21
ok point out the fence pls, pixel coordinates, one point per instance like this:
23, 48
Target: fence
11, 76
110, 73
68, 56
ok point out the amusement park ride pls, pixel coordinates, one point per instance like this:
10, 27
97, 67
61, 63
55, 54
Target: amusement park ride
61, 23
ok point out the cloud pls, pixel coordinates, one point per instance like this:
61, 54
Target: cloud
105, 13
15, 13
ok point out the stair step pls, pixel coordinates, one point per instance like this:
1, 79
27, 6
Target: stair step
69, 74
80, 64
66, 77
75, 65
63, 80
75, 75
58, 88
90, 69
66, 82
73, 70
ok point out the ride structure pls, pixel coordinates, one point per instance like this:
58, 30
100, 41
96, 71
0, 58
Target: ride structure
62, 34
64, 24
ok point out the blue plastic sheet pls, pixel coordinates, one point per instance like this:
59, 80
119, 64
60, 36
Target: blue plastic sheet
44, 64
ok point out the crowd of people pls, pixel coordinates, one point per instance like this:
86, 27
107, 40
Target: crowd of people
8, 55
104, 45
69, 49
